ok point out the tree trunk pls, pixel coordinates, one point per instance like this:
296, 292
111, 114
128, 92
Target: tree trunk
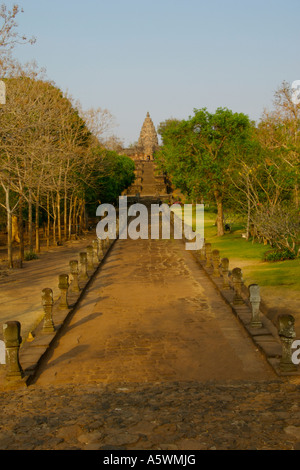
77, 218
220, 221
248, 221
48, 222
65, 217
58, 218
37, 227
70, 218
82, 216
74, 222
54, 220
21, 232
30, 231
9, 231
54, 231
248, 210
9, 241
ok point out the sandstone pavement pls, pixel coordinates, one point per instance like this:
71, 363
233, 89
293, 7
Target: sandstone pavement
152, 358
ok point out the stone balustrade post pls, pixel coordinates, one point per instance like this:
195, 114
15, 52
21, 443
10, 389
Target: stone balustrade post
96, 252
83, 276
287, 334
225, 272
74, 271
47, 302
100, 248
90, 258
208, 254
237, 278
12, 339
255, 303
216, 263
63, 285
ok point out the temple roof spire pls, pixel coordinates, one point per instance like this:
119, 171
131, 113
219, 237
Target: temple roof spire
148, 141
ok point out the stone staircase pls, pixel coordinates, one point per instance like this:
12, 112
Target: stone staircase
148, 180
147, 183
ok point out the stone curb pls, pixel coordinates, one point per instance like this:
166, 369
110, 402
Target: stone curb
266, 338
32, 352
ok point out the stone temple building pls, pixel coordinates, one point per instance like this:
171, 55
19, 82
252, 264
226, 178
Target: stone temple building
149, 182
148, 141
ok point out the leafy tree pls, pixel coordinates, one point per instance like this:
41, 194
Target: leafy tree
42, 141
117, 174
200, 152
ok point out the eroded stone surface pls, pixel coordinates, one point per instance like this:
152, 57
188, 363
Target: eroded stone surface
168, 416
149, 315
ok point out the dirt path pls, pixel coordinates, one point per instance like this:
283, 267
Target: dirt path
151, 315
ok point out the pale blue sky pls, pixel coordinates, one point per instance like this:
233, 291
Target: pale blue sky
164, 56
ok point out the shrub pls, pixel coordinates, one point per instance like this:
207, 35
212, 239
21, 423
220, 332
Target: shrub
30, 255
278, 255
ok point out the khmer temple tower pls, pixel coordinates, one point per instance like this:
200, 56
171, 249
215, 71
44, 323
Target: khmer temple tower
148, 181
148, 141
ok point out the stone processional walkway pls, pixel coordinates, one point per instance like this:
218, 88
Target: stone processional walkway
151, 314
152, 358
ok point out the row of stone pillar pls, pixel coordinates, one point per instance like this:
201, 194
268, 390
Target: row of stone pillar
79, 271
286, 323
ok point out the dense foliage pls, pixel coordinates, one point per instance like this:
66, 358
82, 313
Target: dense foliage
52, 168
224, 159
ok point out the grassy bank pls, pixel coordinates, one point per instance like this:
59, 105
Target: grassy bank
249, 256
279, 281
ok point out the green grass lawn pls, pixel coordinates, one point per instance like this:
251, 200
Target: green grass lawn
249, 256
